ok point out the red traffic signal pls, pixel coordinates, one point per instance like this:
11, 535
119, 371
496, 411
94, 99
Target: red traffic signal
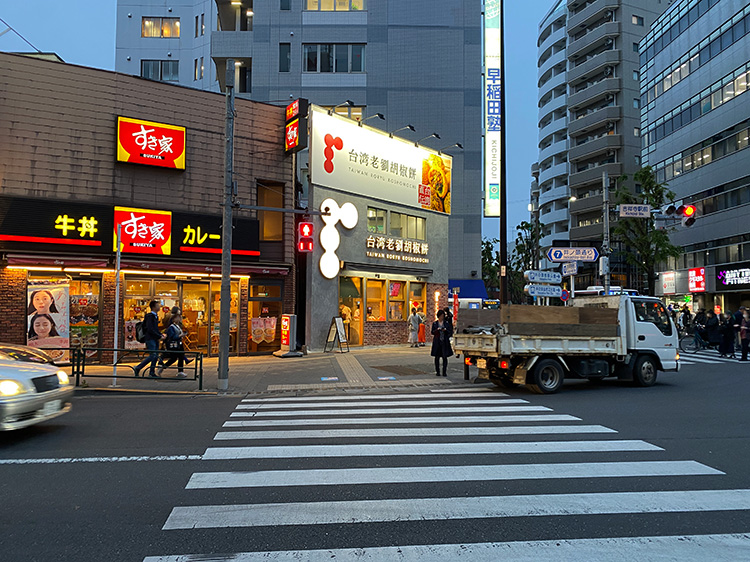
688, 215
305, 242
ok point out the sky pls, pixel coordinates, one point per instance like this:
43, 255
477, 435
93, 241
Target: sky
83, 32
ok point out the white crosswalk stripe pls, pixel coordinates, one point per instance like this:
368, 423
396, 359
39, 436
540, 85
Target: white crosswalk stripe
413, 442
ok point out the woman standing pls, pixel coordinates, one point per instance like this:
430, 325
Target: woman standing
745, 334
174, 347
414, 321
442, 330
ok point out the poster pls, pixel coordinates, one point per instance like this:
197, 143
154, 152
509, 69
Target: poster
48, 319
269, 330
84, 322
130, 341
258, 326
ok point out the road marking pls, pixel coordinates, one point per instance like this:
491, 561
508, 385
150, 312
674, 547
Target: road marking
354, 405
686, 548
439, 509
440, 420
346, 412
459, 393
424, 474
70, 460
471, 390
418, 432
707, 360
419, 449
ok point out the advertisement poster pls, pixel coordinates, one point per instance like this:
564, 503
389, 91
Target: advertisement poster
258, 326
269, 330
84, 322
130, 341
48, 320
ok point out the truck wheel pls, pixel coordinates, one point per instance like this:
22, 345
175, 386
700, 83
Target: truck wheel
644, 371
547, 377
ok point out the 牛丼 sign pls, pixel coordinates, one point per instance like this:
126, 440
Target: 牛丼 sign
153, 144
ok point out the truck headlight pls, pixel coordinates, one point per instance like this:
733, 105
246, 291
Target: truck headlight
11, 388
62, 376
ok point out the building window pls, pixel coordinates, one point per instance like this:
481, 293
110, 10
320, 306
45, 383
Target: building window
635, 47
166, 70
203, 24
201, 68
407, 226
195, 69
636, 131
637, 20
271, 222
375, 300
636, 76
333, 5
396, 300
376, 220
330, 57
245, 82
636, 103
160, 27
286, 5
285, 57
637, 160
197, 26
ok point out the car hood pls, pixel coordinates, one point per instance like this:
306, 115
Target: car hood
21, 370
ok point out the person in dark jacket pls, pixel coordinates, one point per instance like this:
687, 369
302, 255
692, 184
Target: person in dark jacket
745, 334
712, 328
442, 330
153, 337
726, 329
173, 343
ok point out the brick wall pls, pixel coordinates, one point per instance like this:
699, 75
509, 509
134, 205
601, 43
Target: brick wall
13, 306
385, 333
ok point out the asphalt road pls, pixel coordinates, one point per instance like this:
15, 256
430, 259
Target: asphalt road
475, 474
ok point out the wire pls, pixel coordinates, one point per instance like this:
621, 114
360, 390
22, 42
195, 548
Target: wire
21, 36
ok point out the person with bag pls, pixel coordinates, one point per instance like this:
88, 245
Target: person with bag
152, 337
442, 330
421, 333
173, 344
413, 321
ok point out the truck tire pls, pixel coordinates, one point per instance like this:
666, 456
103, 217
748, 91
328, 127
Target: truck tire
644, 371
547, 377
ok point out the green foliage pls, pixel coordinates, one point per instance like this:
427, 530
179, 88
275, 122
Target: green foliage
491, 266
525, 256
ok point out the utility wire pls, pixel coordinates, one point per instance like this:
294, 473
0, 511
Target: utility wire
21, 36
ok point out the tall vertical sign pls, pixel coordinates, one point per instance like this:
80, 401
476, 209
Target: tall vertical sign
493, 103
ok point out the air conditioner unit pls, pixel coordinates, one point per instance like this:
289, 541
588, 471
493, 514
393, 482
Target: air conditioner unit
610, 97
608, 14
610, 42
608, 71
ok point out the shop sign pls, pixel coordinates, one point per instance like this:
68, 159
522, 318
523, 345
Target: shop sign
144, 231
330, 238
390, 248
285, 331
736, 277
153, 144
366, 161
197, 235
492, 101
669, 283
295, 130
697, 280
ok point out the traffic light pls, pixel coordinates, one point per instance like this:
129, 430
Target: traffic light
305, 241
687, 212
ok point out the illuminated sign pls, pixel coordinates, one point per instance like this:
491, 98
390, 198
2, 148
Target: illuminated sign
285, 331
668, 283
365, 161
697, 280
295, 130
298, 108
737, 277
153, 144
492, 96
144, 231
389, 248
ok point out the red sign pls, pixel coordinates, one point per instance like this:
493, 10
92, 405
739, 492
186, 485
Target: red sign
285, 331
455, 308
143, 231
154, 144
291, 136
296, 109
424, 195
697, 280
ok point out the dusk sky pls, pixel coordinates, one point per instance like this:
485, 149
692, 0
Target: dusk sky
83, 32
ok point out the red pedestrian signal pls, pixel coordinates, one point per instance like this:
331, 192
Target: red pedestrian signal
305, 242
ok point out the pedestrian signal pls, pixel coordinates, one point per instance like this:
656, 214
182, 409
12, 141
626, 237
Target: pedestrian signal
305, 241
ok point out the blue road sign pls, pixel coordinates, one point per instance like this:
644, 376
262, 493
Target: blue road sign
572, 254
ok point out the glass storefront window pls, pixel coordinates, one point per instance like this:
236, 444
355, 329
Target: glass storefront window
138, 287
350, 307
417, 295
375, 300
233, 309
195, 316
396, 301
264, 318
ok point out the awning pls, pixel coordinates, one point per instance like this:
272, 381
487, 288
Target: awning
467, 288
180, 267
50, 261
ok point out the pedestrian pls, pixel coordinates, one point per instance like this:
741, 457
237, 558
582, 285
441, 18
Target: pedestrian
153, 337
726, 329
166, 321
442, 330
745, 334
413, 321
173, 344
712, 329
686, 318
421, 333
738, 324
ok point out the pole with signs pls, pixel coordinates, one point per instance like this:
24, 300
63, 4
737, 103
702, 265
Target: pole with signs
226, 233
117, 307
605, 235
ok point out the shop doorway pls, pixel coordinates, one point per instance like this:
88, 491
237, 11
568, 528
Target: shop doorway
350, 308
195, 316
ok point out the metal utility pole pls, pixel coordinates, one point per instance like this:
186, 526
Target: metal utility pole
604, 261
504, 294
226, 232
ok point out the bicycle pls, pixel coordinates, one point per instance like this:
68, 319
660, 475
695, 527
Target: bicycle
695, 343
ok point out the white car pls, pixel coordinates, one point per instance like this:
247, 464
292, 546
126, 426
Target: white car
32, 388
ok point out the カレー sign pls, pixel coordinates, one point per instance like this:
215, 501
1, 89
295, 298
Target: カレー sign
153, 144
697, 280
144, 231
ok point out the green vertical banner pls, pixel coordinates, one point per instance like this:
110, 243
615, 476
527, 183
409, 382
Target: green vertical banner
492, 96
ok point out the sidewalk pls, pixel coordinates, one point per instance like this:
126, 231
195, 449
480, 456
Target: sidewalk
371, 368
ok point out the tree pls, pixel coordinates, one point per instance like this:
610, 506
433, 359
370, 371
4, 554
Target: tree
491, 266
647, 245
525, 256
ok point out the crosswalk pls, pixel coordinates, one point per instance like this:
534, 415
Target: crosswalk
418, 477
706, 357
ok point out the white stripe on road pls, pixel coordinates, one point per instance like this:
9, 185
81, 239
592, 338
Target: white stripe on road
417, 432
344, 412
439, 509
471, 390
457, 392
419, 449
70, 460
429, 474
706, 360
440, 420
686, 548
354, 405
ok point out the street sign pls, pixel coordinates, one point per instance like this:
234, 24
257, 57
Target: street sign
564, 296
543, 290
572, 254
570, 268
543, 276
629, 211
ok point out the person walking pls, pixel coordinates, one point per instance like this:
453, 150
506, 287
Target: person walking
173, 343
712, 329
421, 333
738, 324
442, 330
413, 321
153, 337
745, 334
726, 329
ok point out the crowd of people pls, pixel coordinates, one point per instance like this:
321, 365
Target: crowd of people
722, 331
174, 349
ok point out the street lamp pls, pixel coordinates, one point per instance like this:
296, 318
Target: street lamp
378, 115
410, 127
427, 137
456, 144
350, 103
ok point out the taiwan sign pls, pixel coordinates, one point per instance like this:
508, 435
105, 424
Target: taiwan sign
153, 144
492, 101
572, 254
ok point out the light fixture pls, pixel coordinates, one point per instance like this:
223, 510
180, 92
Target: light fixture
427, 137
249, 13
141, 272
378, 115
88, 270
410, 127
456, 144
236, 3
572, 198
35, 267
350, 103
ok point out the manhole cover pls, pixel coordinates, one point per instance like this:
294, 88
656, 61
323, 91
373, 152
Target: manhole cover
399, 370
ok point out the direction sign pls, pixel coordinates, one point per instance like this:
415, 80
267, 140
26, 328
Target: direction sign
543, 290
570, 268
543, 276
572, 254
635, 211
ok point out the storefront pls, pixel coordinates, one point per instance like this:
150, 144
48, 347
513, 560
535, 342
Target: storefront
717, 287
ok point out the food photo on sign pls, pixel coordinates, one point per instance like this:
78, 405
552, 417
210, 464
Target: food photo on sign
48, 320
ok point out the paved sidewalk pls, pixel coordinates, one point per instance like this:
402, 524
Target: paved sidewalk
365, 369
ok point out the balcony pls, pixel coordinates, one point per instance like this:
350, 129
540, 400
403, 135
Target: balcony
593, 175
551, 150
553, 105
552, 83
554, 126
553, 172
598, 62
555, 59
591, 13
554, 194
585, 205
594, 91
611, 29
552, 38
554, 217
592, 232
593, 120
595, 146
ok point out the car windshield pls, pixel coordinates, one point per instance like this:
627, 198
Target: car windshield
24, 354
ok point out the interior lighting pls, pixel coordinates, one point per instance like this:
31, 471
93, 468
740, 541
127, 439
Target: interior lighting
186, 274
88, 270
35, 267
141, 272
